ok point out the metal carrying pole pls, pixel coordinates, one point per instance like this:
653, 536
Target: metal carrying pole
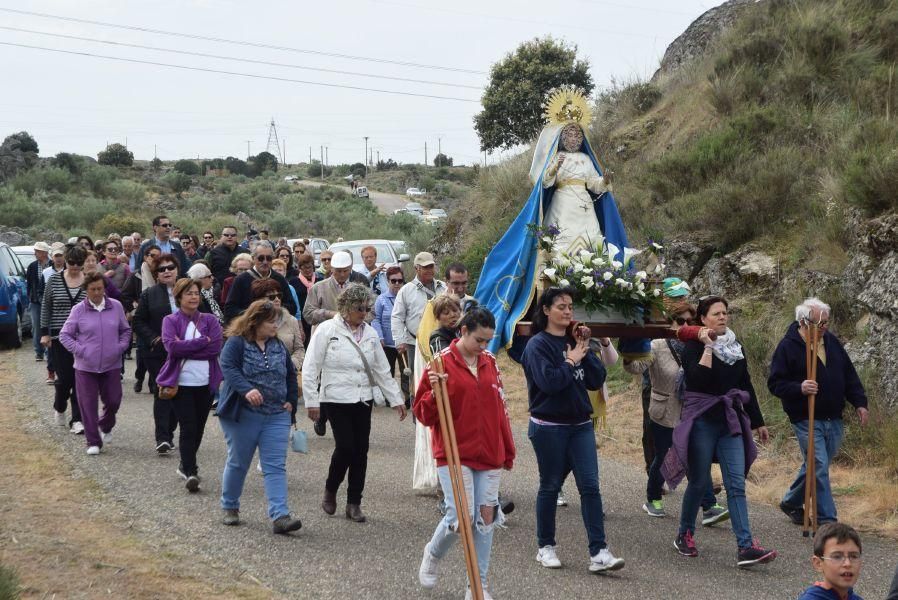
456, 477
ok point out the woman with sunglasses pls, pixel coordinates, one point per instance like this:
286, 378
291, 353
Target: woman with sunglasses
283, 253
666, 375
155, 304
63, 291
720, 410
192, 340
383, 308
288, 331
259, 396
302, 283
346, 370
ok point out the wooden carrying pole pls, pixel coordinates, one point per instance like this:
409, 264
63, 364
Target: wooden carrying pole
810, 476
456, 477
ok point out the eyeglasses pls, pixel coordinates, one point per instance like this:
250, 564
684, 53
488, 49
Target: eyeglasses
264, 258
165, 268
397, 281
840, 558
361, 308
273, 297
112, 251
207, 237
167, 225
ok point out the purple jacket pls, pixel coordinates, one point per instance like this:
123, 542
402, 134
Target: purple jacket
174, 327
695, 404
96, 338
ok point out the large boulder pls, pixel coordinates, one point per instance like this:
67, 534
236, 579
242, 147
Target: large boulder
14, 158
747, 272
14, 238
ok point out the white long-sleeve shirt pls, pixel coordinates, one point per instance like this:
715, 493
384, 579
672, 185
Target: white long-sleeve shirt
409, 308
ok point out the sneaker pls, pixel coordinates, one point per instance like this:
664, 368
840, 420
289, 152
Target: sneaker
51, 380
38, 358
231, 516
193, 484
685, 544
59, 418
754, 555
138, 386
795, 513
93, 450
715, 514
655, 508
181, 473
605, 561
547, 557
562, 499
508, 508
77, 428
469, 595
164, 448
427, 572
106, 436
286, 524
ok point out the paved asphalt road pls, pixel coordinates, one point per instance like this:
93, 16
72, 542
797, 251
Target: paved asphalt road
332, 557
386, 203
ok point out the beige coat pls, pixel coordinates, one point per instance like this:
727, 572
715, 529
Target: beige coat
665, 407
290, 333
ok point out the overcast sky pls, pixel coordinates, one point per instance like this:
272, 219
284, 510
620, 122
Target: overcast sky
77, 103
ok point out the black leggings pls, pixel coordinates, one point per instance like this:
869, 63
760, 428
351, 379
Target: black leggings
351, 426
64, 364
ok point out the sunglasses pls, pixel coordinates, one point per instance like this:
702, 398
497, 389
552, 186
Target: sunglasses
273, 297
680, 321
325, 260
397, 281
166, 225
112, 250
361, 308
73, 263
228, 235
207, 237
167, 268
264, 258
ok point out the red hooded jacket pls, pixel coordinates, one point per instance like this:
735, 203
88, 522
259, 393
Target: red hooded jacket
482, 429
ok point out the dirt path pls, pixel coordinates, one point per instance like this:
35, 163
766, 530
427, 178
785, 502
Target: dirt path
386, 203
67, 538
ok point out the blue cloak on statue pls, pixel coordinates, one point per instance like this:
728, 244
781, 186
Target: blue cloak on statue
508, 279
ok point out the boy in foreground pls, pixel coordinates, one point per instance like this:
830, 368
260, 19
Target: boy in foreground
837, 556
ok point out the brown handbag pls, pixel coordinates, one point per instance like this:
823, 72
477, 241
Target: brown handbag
167, 392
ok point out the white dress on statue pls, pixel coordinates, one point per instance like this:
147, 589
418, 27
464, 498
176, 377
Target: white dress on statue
571, 208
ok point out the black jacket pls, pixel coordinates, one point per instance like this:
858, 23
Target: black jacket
34, 280
301, 294
219, 259
836, 380
718, 380
240, 294
147, 322
131, 292
176, 250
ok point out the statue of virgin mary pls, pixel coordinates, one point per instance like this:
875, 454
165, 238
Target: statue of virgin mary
570, 192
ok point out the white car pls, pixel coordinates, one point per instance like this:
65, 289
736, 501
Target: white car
315, 246
291, 178
415, 208
362, 192
415, 192
388, 252
436, 213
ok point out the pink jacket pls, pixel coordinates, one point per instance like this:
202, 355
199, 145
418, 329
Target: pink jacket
96, 338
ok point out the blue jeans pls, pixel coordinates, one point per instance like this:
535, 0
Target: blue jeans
481, 490
827, 439
268, 433
710, 438
34, 309
663, 440
559, 450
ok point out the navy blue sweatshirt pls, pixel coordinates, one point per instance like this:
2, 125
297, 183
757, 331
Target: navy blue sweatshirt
556, 390
836, 380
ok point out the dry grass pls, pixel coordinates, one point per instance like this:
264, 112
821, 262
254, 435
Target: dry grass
867, 497
65, 538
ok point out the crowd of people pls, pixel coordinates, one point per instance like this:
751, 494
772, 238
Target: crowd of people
250, 330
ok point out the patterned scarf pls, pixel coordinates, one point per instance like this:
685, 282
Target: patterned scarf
727, 349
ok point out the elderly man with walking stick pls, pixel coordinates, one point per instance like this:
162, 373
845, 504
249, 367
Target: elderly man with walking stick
831, 380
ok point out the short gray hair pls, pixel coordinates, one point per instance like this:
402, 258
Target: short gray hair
353, 295
803, 310
127, 237
260, 244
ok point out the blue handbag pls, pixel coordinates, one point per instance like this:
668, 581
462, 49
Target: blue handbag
298, 441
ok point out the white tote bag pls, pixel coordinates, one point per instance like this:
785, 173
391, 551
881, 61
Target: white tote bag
424, 473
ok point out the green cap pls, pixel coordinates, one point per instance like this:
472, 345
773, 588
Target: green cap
674, 287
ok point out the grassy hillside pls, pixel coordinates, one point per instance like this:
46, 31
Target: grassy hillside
100, 200
780, 132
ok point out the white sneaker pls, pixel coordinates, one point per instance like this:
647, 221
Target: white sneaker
59, 418
605, 561
77, 428
469, 595
547, 557
427, 572
93, 450
106, 437
562, 500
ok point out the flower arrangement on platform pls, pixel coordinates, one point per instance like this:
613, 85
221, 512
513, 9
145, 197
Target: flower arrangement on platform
545, 235
606, 284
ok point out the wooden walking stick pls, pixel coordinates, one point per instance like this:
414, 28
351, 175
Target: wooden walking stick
810, 476
456, 478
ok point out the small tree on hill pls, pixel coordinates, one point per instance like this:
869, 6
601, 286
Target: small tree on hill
116, 155
26, 142
69, 162
265, 161
357, 169
512, 103
156, 164
178, 182
441, 160
387, 165
188, 167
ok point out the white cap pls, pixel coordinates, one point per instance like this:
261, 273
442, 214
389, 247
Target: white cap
341, 260
198, 271
57, 248
42, 246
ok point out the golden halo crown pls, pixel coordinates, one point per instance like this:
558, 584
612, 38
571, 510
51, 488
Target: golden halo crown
567, 104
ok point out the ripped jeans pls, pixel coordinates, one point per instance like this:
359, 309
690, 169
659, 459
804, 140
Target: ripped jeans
482, 490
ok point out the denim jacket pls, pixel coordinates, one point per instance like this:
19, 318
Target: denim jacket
244, 368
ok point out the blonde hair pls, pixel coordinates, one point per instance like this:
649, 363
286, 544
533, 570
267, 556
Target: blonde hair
238, 258
445, 303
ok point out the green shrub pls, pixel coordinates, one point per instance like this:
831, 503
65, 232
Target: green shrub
871, 179
129, 192
177, 182
187, 167
98, 179
9, 583
21, 212
66, 217
120, 224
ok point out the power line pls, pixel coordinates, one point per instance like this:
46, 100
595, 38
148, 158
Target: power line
250, 75
242, 43
235, 58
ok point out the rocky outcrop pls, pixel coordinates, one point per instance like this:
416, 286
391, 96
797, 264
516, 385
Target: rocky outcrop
745, 272
15, 158
693, 42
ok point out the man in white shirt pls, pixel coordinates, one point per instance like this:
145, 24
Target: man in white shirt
409, 306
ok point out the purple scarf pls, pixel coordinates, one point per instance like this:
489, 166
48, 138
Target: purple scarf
695, 404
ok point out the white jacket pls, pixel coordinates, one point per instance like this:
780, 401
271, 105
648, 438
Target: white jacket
409, 308
332, 370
